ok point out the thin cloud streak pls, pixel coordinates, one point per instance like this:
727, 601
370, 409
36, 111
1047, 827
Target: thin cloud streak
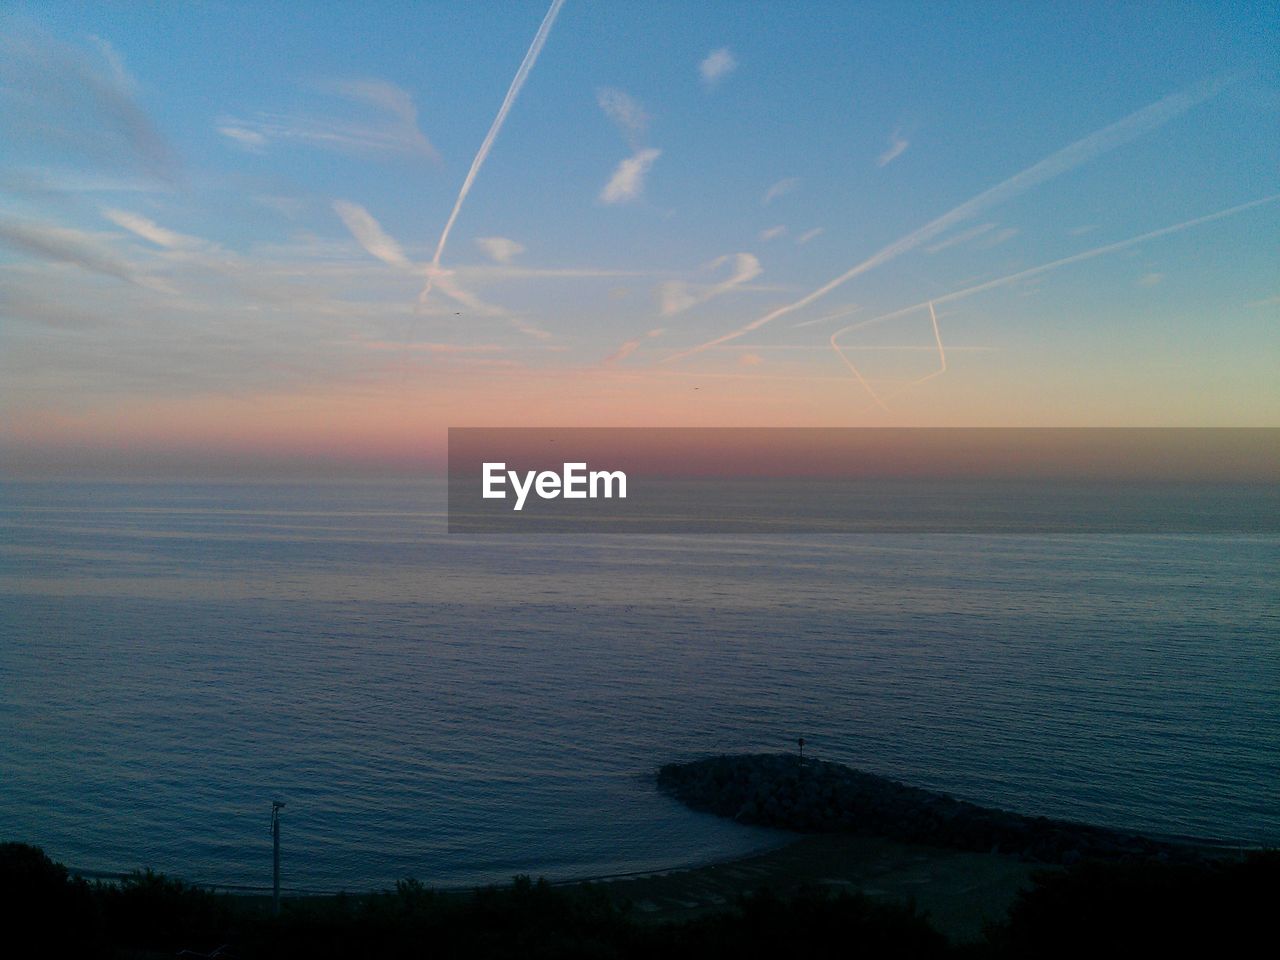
390, 127
64, 245
897, 146
1081, 151
779, 189
370, 235
993, 240
958, 238
677, 296
517, 82
151, 231
500, 272
860, 348
378, 243
249, 139
630, 346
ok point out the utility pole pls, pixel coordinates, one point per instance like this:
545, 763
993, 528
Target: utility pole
276, 806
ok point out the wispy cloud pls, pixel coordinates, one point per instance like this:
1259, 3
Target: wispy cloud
964, 236
779, 189
63, 245
115, 63
506, 271
385, 121
288, 207
40, 309
151, 231
249, 139
513, 91
429, 347
378, 243
676, 296
54, 182
627, 182
808, 235
992, 240
631, 346
897, 145
1151, 279
370, 235
500, 249
529, 329
1087, 148
626, 113
772, 233
717, 65
63, 99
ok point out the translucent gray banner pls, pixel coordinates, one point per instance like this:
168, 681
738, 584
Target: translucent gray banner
748, 480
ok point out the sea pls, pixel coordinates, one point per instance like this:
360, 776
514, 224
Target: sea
465, 708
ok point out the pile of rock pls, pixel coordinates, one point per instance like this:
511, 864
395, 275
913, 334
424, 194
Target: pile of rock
815, 796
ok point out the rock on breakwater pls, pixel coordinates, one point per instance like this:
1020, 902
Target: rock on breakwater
816, 796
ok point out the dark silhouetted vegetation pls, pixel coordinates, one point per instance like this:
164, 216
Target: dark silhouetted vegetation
1130, 908
1147, 910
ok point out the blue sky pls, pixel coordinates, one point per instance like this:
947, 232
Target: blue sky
210, 210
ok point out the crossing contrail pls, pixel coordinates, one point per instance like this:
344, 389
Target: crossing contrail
866, 384
1014, 278
1140, 122
530, 58
1064, 261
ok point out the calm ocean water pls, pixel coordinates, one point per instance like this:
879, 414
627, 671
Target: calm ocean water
172, 657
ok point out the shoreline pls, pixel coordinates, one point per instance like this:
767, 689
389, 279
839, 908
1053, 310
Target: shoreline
897, 849
839, 830
789, 836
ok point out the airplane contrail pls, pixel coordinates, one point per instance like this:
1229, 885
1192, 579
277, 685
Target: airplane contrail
530, 58
830, 316
858, 374
866, 384
1095, 144
1064, 261
1014, 278
942, 354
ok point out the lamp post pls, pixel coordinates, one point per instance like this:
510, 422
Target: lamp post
276, 807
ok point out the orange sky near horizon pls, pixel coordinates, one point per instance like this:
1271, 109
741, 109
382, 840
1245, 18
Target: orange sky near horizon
369, 428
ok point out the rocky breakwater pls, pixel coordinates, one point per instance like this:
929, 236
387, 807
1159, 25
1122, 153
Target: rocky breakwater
816, 796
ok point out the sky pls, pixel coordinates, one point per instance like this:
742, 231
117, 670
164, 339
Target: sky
254, 236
